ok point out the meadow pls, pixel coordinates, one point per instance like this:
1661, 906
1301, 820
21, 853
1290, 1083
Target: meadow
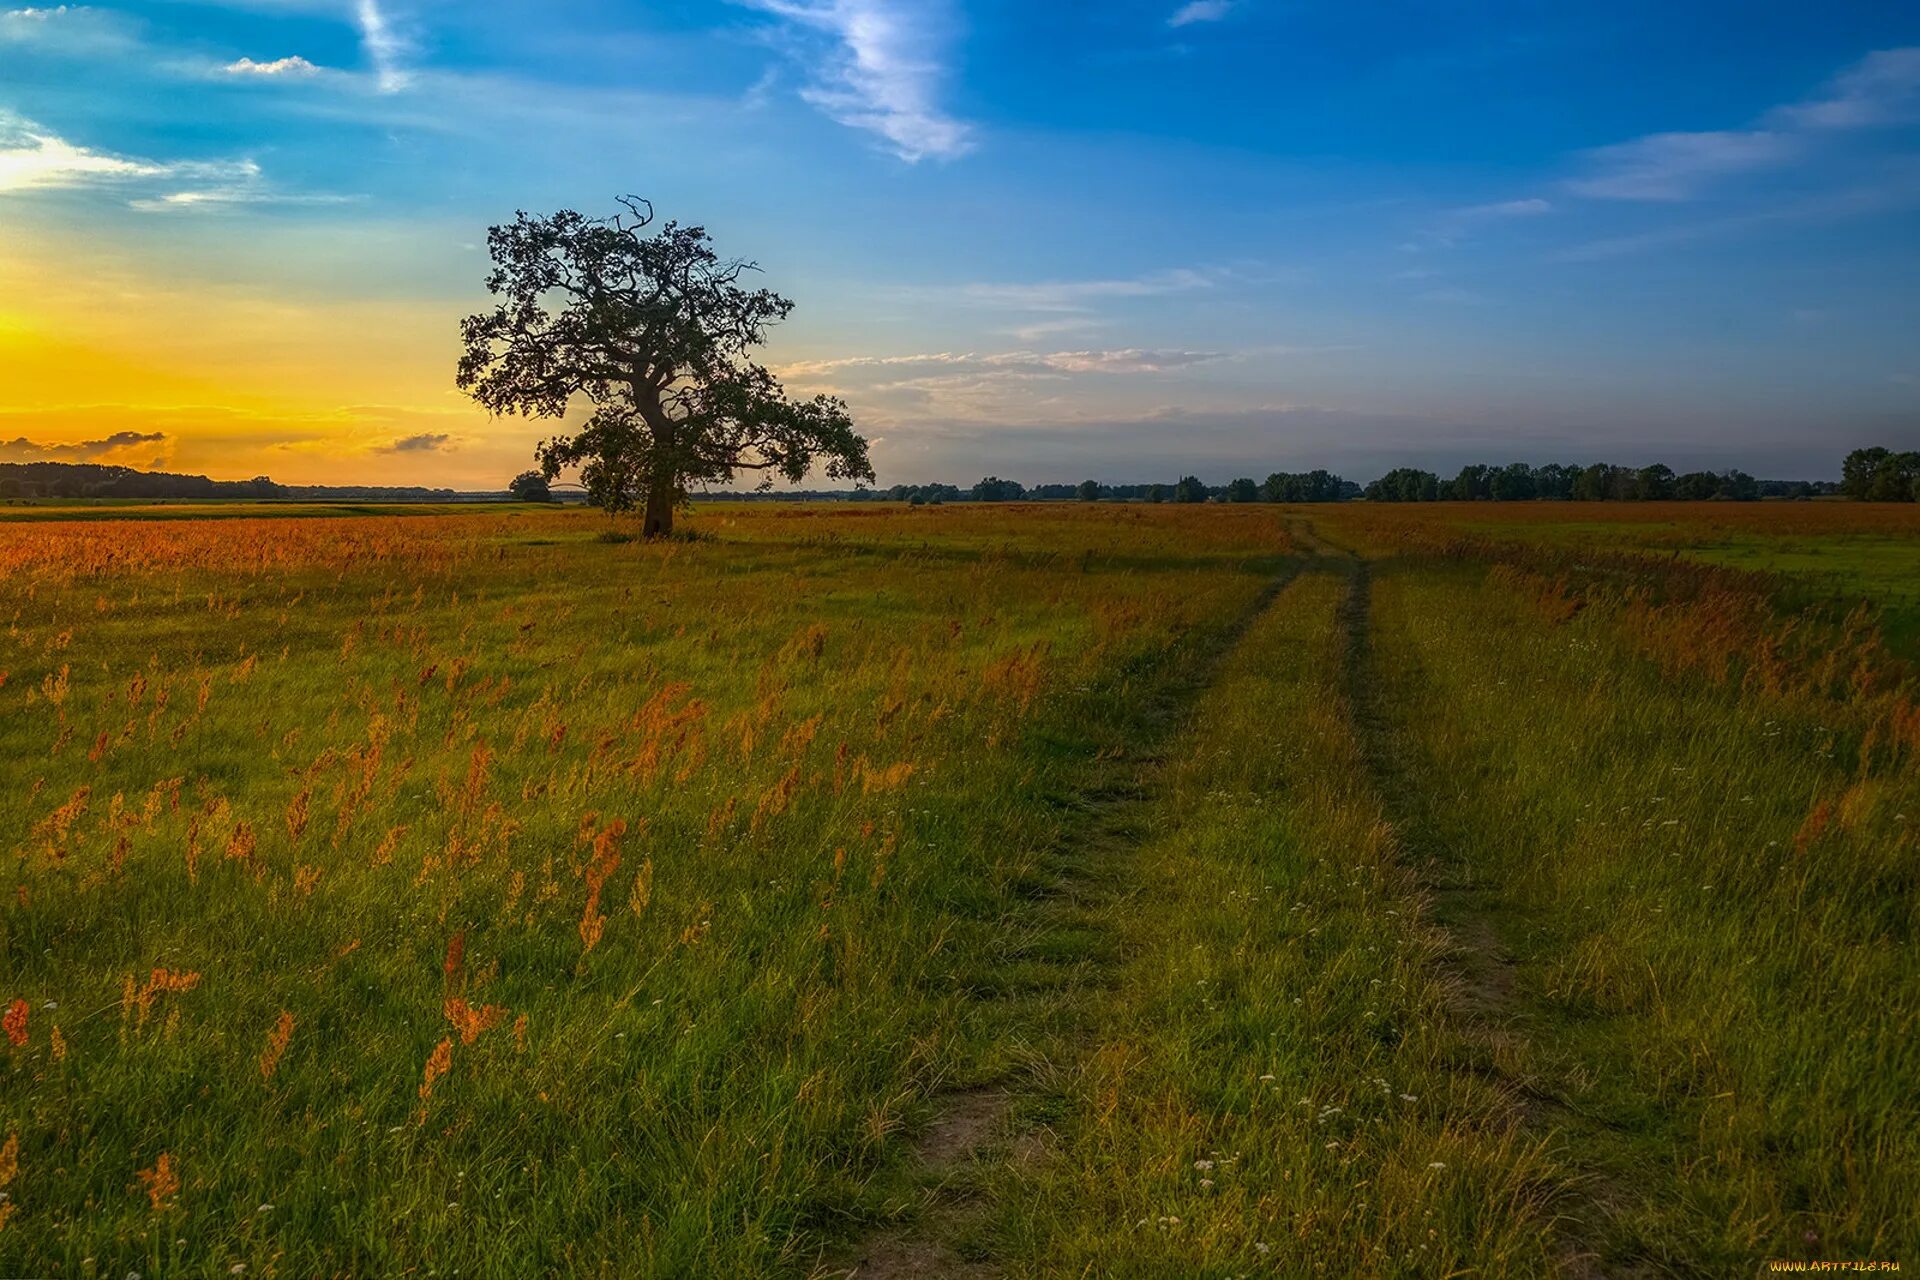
1025, 890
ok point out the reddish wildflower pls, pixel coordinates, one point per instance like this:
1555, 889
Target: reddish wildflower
138, 1000
241, 844
469, 1021
297, 814
1814, 827
16, 1023
606, 860
9, 1166
161, 1181
439, 1062
456, 955
276, 1045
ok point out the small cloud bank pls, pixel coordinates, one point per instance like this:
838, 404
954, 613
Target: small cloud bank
294, 68
425, 442
21, 449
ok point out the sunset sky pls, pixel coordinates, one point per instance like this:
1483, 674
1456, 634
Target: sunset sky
1119, 239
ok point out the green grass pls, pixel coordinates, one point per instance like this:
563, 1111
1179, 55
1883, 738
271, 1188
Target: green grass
1485, 921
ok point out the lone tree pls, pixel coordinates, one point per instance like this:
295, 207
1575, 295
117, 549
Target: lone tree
655, 332
530, 486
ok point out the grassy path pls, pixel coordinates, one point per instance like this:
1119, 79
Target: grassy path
1496, 1014
1363, 1013
1266, 1080
1694, 994
1060, 955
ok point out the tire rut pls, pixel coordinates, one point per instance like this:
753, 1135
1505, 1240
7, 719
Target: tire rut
972, 1126
1488, 1000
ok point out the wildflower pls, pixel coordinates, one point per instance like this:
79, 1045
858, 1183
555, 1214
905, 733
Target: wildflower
470, 1022
276, 1045
161, 1181
58, 1043
16, 1023
439, 1062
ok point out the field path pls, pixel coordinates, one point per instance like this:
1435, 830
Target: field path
1495, 1014
972, 1127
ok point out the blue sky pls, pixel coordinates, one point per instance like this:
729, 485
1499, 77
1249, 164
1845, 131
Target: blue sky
1121, 239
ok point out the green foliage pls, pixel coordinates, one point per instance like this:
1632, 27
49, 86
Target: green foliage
656, 332
530, 486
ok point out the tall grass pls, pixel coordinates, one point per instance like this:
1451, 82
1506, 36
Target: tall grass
463, 894
1704, 858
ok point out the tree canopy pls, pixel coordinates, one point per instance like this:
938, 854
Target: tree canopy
655, 332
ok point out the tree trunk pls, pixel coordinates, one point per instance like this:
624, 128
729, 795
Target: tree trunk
658, 522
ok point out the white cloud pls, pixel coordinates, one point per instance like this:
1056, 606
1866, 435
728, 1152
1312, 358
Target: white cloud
1080, 295
1200, 11
246, 189
66, 28
1677, 166
279, 68
385, 47
1504, 209
884, 73
32, 157
1882, 88
1013, 363
1453, 224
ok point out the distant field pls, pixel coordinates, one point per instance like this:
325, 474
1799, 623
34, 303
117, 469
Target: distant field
1032, 890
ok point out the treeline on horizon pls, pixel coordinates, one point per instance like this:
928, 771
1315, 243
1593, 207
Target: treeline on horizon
1871, 475
101, 480
1518, 482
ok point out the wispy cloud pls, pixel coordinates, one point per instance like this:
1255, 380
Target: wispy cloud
884, 71
385, 47
1882, 88
34, 158
21, 449
1453, 225
1012, 363
1082, 295
426, 442
1200, 11
1897, 192
249, 189
1677, 166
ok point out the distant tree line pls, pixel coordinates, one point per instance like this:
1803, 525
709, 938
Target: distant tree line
1881, 475
1598, 482
1281, 486
99, 480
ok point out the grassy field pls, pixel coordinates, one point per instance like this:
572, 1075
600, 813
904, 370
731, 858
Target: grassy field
967, 891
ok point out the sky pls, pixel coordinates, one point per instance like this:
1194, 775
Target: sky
1124, 239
